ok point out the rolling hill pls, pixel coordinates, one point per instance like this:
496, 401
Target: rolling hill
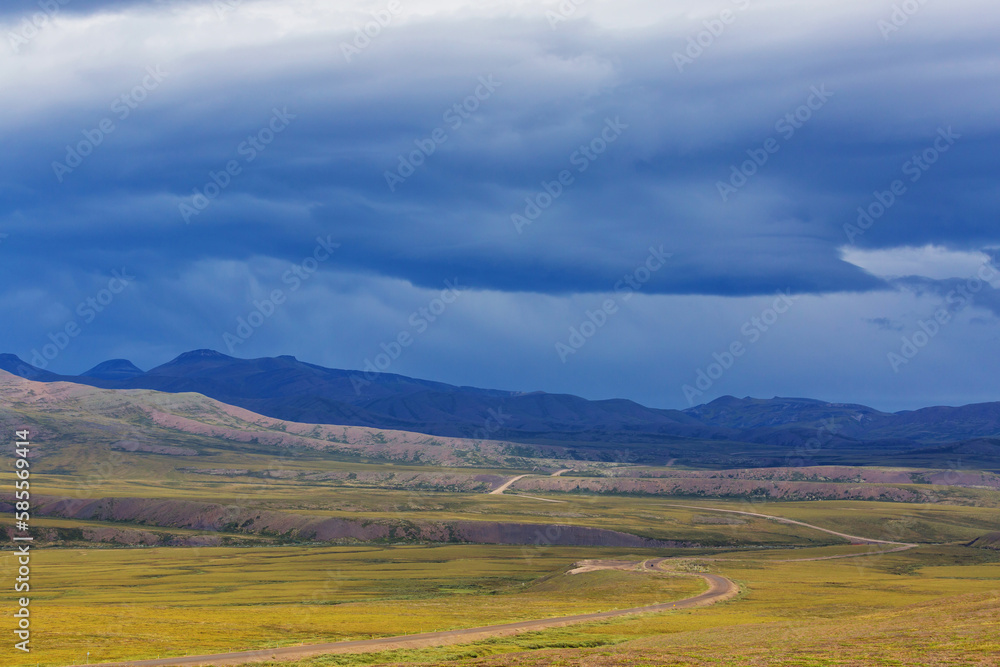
746, 431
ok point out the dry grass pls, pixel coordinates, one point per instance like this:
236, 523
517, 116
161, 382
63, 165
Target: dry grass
908, 609
144, 603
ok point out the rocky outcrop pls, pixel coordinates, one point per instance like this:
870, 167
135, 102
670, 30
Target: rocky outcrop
988, 541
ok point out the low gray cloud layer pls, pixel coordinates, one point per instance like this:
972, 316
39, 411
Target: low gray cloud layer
802, 113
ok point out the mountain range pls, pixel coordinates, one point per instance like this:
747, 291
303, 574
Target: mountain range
288, 389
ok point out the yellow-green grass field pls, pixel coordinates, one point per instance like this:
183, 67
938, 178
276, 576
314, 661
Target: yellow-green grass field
140, 603
900, 609
934, 605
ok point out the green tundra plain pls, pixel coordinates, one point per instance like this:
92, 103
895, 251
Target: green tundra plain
165, 581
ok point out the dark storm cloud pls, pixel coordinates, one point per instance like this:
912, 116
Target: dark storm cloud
657, 184
552, 96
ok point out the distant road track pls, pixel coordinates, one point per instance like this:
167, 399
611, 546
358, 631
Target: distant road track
545, 500
719, 589
853, 538
506, 485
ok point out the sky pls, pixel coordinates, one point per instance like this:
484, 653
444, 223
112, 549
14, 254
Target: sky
665, 201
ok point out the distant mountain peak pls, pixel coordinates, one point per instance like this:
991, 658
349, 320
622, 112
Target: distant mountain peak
15, 365
201, 355
729, 400
114, 369
285, 388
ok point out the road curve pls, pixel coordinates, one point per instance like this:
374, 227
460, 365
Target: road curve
506, 485
719, 589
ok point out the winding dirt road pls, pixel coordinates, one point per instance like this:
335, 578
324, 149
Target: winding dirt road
719, 589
